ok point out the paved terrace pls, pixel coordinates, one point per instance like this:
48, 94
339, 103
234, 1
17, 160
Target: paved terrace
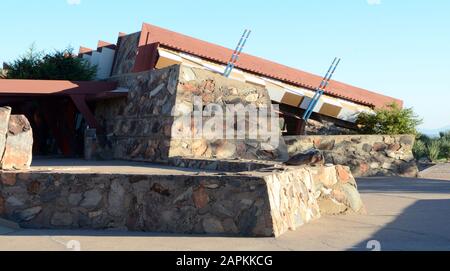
438, 172
402, 214
107, 167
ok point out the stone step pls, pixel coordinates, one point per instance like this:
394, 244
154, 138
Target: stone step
7, 226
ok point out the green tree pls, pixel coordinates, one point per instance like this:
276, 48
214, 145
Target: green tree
391, 120
59, 65
26, 66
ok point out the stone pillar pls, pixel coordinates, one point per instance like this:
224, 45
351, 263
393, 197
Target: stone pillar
5, 113
19, 144
165, 117
90, 144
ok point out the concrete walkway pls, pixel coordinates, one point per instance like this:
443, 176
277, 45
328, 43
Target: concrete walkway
402, 214
439, 172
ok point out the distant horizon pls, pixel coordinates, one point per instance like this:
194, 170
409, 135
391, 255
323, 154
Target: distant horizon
435, 132
384, 48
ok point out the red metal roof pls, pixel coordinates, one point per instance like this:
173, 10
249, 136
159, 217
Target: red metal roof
103, 44
13, 87
166, 38
84, 50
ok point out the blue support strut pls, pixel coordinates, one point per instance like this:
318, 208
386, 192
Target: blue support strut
235, 56
320, 90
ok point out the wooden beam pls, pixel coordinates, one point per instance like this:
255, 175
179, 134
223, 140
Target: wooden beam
82, 106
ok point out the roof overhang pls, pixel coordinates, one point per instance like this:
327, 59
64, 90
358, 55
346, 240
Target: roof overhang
13, 87
152, 36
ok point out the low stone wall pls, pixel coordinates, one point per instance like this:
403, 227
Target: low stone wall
261, 203
366, 155
221, 165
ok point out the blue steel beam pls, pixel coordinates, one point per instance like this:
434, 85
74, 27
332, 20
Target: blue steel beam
235, 56
320, 90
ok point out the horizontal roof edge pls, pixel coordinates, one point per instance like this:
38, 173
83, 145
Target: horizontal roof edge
260, 66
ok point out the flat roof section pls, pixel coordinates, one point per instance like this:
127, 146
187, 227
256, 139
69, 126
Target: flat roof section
22, 87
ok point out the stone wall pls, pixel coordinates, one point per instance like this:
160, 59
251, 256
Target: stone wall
99, 146
16, 141
126, 54
259, 203
366, 155
148, 125
324, 127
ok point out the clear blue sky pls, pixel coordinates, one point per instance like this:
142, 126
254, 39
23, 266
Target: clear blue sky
398, 48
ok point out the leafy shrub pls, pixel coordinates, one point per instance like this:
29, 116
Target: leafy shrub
59, 65
391, 120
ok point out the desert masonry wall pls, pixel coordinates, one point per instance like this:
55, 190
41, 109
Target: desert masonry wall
366, 155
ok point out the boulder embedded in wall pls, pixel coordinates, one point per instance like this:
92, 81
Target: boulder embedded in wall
5, 113
61, 219
353, 198
408, 169
337, 190
19, 144
330, 206
225, 150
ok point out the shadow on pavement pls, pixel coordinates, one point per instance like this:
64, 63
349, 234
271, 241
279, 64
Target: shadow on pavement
422, 226
397, 184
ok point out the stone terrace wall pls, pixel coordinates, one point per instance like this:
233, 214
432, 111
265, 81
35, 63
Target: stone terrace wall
366, 155
250, 204
137, 128
144, 127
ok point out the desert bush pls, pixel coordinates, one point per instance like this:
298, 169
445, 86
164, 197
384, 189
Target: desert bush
445, 148
391, 120
420, 149
434, 150
445, 136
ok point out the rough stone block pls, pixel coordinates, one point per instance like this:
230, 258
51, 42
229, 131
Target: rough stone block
5, 113
19, 144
